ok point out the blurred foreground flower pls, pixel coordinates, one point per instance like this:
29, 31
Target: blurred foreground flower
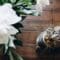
7, 18
8, 30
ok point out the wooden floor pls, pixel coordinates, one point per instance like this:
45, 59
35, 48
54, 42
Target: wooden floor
33, 26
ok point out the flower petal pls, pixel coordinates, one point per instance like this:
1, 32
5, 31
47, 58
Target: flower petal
8, 15
11, 30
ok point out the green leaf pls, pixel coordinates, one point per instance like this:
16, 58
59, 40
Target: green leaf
13, 1
16, 56
11, 56
20, 5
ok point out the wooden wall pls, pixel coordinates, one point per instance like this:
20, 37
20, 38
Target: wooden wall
33, 26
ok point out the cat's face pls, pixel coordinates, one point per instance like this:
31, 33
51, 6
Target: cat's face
50, 36
49, 42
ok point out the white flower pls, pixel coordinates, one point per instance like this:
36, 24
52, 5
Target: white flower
8, 15
5, 32
11, 30
40, 5
4, 37
43, 2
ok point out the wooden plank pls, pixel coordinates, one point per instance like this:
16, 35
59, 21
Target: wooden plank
46, 15
28, 36
36, 26
57, 23
36, 23
27, 51
56, 4
56, 16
